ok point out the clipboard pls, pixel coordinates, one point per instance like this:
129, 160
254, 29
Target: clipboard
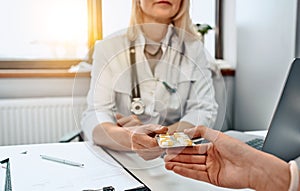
7, 186
142, 188
48, 175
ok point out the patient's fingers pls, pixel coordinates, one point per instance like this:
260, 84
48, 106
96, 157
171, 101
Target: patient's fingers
198, 149
191, 173
200, 167
191, 159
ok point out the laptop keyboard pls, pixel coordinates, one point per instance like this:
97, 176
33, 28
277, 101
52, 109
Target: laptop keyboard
256, 143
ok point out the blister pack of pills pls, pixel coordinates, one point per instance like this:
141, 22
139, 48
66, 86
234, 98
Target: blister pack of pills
178, 139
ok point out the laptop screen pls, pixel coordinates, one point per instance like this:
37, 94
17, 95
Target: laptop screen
283, 138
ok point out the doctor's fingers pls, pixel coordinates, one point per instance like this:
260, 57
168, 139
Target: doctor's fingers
118, 116
149, 129
128, 121
149, 154
153, 129
143, 141
133, 123
191, 159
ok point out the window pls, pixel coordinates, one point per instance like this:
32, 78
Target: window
210, 12
60, 33
203, 12
37, 32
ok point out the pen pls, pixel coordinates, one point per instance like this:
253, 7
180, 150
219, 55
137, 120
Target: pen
63, 161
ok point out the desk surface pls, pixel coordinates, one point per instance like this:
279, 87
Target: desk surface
28, 170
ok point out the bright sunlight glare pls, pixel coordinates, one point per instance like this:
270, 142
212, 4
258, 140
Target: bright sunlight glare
43, 29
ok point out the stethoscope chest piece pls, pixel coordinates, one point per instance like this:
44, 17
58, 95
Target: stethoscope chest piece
137, 106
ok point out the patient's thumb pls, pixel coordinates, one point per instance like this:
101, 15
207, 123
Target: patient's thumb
202, 131
195, 132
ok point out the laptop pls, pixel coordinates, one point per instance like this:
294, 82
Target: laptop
283, 137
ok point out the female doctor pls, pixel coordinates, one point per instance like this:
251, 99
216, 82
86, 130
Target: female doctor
152, 78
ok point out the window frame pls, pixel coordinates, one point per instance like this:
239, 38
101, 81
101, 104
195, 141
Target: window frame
219, 29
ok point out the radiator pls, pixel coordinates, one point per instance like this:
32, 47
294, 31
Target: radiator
39, 120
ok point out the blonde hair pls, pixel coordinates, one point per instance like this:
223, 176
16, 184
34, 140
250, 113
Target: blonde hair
181, 21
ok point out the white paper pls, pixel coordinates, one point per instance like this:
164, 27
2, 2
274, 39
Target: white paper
31, 172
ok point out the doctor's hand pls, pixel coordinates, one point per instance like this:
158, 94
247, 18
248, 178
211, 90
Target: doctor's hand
128, 121
143, 140
228, 162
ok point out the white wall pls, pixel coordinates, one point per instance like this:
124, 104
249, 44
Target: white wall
265, 48
116, 14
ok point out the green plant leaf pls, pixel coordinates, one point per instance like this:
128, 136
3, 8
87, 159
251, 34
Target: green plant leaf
203, 28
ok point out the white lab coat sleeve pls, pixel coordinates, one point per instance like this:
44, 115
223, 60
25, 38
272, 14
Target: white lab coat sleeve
201, 106
99, 98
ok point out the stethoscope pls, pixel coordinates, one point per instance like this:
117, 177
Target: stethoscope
137, 105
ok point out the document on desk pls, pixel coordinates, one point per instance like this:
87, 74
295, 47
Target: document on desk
30, 172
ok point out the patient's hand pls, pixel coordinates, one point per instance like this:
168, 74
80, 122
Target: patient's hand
228, 162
